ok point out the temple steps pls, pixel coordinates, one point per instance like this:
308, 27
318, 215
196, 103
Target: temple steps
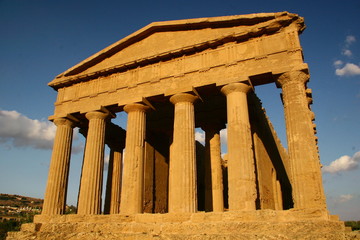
226, 226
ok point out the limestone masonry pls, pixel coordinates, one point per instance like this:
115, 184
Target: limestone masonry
170, 78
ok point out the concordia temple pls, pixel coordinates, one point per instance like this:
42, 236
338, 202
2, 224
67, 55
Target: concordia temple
170, 78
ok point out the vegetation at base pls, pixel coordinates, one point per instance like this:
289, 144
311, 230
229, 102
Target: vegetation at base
14, 224
8, 226
16, 210
11, 225
355, 225
70, 209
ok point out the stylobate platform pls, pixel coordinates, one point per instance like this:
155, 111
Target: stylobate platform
262, 224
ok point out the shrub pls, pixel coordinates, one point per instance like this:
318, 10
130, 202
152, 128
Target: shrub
355, 225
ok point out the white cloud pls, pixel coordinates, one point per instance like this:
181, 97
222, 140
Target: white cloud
79, 148
200, 137
345, 198
350, 39
347, 52
349, 69
22, 131
107, 159
223, 136
344, 163
338, 63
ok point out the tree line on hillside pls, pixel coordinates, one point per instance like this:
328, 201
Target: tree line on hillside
355, 225
11, 225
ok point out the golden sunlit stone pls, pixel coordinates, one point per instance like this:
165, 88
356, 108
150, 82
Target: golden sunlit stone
170, 78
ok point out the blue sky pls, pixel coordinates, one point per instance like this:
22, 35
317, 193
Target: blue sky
40, 39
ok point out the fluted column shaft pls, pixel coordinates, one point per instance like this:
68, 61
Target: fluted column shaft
113, 183
133, 181
241, 166
56, 189
182, 172
93, 166
304, 160
214, 200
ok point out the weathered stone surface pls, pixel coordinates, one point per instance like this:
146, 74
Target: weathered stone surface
264, 224
182, 172
170, 78
55, 194
241, 165
214, 197
133, 183
93, 167
221, 50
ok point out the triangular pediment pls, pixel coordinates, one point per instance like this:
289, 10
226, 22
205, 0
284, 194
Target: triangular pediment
160, 41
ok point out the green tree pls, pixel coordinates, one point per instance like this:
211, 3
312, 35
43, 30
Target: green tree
355, 225
13, 225
7, 226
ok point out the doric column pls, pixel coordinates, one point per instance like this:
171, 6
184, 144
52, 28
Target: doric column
182, 172
113, 182
304, 160
55, 195
214, 200
241, 166
133, 173
93, 166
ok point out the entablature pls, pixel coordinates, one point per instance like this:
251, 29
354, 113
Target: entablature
232, 62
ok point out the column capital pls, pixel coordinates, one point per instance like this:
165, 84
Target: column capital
291, 77
235, 87
183, 97
63, 121
136, 107
96, 115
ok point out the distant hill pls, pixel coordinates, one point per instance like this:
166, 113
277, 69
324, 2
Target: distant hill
20, 201
16, 210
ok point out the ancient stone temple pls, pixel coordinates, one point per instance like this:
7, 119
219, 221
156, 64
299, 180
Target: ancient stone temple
170, 78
